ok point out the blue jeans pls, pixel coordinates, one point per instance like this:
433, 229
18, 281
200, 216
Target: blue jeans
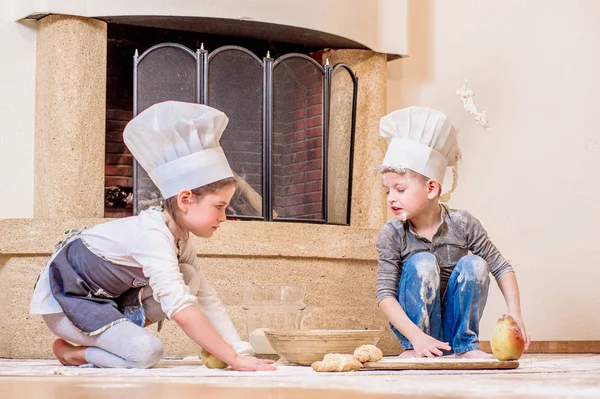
453, 318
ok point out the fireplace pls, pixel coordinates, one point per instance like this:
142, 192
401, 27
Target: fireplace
279, 139
84, 100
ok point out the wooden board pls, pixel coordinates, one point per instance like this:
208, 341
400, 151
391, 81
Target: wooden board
441, 365
561, 347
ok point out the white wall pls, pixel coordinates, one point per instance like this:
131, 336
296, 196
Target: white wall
17, 94
534, 179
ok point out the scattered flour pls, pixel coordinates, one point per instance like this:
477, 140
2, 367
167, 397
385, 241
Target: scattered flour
404, 216
62, 371
466, 95
573, 376
429, 275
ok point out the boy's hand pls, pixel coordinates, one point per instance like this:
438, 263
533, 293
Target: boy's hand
510, 289
250, 363
427, 346
519, 321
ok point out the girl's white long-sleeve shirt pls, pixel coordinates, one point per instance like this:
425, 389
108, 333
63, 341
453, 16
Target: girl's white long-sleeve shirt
145, 241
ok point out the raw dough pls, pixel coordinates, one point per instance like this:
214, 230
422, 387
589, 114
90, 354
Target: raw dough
211, 361
337, 362
368, 353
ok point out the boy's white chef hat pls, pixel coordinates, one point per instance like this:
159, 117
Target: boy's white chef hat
420, 139
177, 143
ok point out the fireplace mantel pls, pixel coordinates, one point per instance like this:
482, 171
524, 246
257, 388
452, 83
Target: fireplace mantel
377, 25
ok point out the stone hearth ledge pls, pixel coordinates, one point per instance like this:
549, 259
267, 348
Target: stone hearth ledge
337, 264
38, 236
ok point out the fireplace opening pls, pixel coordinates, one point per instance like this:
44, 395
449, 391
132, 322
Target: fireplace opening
284, 139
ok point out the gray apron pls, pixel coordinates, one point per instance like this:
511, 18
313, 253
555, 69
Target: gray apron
95, 293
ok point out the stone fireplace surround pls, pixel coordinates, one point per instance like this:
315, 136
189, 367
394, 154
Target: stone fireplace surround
336, 263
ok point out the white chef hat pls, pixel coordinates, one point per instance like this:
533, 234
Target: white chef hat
420, 139
177, 143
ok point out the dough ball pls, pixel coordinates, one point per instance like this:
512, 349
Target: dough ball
368, 353
211, 361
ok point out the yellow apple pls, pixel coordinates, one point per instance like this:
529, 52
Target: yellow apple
507, 342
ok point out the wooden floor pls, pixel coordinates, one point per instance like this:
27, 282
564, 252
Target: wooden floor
539, 376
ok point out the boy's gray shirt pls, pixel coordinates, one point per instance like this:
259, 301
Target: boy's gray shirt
459, 233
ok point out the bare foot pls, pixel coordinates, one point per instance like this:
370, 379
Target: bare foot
67, 354
409, 353
475, 354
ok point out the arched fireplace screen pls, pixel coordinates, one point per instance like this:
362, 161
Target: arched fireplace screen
290, 136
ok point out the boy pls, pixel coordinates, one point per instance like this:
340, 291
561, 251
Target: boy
428, 286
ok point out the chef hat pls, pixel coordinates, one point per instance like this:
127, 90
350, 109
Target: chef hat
177, 143
420, 139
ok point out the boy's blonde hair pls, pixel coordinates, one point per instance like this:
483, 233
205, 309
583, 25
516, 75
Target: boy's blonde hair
401, 171
405, 171
170, 204
445, 198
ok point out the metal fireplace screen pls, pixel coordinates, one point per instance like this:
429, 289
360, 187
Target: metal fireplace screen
290, 136
235, 87
167, 73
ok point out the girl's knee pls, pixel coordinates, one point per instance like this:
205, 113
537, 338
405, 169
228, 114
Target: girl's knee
145, 352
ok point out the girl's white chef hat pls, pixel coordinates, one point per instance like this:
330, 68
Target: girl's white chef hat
177, 143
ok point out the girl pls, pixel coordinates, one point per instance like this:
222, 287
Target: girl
105, 283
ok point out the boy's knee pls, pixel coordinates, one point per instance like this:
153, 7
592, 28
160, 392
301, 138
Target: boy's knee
473, 268
425, 265
146, 351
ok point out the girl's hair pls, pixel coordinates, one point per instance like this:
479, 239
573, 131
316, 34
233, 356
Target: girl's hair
170, 204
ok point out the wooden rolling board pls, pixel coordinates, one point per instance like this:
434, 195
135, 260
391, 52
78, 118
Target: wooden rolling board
441, 364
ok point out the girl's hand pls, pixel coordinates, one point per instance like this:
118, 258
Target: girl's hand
427, 346
250, 363
519, 321
193, 322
